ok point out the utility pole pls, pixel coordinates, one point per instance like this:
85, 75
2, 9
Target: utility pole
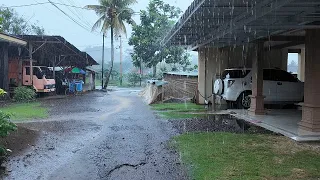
120, 61
102, 61
140, 72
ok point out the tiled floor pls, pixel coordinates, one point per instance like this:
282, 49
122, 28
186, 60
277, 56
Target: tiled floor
283, 121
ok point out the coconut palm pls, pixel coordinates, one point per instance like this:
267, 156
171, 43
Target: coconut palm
112, 15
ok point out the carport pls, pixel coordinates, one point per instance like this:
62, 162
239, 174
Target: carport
254, 34
6, 42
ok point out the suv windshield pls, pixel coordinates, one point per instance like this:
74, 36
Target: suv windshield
235, 73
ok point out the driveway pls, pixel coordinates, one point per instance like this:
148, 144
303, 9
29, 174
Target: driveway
95, 136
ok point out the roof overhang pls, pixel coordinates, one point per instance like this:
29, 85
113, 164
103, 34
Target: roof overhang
220, 23
12, 40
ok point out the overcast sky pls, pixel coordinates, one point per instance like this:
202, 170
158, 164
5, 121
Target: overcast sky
56, 23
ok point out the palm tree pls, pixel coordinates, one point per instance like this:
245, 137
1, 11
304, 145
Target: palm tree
112, 15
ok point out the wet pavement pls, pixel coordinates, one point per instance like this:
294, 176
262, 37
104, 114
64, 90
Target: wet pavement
98, 135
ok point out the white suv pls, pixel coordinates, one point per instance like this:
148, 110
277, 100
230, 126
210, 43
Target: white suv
279, 87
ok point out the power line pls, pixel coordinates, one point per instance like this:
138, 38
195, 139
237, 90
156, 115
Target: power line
34, 4
74, 20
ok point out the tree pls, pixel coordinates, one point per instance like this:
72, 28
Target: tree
133, 78
12, 23
156, 21
112, 15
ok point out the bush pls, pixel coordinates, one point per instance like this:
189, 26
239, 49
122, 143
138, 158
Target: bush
2, 92
6, 126
133, 78
23, 94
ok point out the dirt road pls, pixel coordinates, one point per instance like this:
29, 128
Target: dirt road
95, 136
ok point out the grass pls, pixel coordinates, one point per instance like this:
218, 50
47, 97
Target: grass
26, 111
180, 107
179, 115
179, 110
247, 157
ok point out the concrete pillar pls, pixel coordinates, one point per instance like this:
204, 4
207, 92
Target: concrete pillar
4, 66
201, 75
311, 108
301, 64
257, 98
284, 59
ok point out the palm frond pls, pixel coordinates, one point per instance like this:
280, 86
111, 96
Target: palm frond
98, 23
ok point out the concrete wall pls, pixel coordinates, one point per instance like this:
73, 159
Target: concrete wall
213, 61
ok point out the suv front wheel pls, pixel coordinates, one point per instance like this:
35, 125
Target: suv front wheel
244, 100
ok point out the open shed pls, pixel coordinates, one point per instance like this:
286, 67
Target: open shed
49, 51
6, 42
255, 34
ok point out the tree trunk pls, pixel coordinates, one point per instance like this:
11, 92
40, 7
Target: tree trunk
112, 60
102, 61
154, 70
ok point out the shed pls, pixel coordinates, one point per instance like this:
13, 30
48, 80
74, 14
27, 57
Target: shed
6, 42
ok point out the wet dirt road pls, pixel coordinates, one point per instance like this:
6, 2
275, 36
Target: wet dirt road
95, 136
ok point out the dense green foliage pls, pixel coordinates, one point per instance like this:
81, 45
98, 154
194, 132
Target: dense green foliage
156, 21
6, 126
133, 78
12, 23
113, 14
24, 94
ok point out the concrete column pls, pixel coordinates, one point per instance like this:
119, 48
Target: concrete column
4, 66
284, 59
201, 75
257, 98
311, 108
301, 64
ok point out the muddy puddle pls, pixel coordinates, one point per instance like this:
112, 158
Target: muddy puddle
216, 123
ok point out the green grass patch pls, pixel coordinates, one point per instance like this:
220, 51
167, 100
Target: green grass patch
247, 157
181, 107
26, 111
179, 115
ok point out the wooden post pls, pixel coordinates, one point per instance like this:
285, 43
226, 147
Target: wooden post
31, 63
4, 66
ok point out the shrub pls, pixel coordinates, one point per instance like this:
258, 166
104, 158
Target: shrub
2, 92
133, 78
6, 126
23, 94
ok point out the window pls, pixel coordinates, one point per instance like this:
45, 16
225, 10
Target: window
278, 75
37, 72
27, 70
235, 73
285, 76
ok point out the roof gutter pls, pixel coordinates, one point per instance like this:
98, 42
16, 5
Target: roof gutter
12, 39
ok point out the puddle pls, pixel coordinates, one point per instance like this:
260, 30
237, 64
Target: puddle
215, 123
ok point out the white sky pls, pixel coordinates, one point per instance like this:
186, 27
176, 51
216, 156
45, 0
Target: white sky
56, 23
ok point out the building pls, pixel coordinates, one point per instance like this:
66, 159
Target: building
6, 42
257, 34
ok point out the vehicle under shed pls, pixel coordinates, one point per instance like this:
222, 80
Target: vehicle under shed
49, 51
255, 34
